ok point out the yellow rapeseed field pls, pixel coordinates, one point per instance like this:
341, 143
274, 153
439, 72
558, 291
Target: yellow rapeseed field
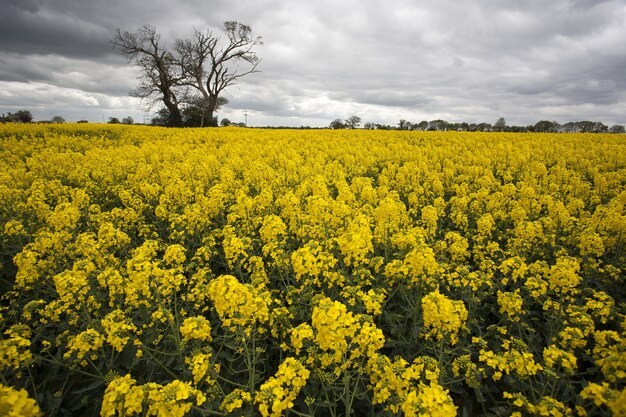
211, 272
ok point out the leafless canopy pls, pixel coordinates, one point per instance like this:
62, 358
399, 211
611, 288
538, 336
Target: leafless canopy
197, 70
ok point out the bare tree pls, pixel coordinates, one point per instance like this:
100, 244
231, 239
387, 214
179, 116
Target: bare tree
210, 65
195, 72
160, 71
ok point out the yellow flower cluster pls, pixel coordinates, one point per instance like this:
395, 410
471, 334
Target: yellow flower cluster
563, 276
546, 406
118, 328
340, 334
511, 304
199, 365
235, 400
512, 360
603, 395
17, 403
171, 400
356, 242
609, 354
238, 305
83, 343
235, 249
429, 400
277, 394
311, 261
392, 382
196, 328
443, 317
14, 350
123, 397
418, 267
555, 357
174, 255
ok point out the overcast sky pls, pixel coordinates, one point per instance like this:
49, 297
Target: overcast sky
472, 61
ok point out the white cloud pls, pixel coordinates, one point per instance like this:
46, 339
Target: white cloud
46, 100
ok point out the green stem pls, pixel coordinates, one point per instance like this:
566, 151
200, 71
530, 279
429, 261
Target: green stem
356, 385
230, 382
346, 391
441, 365
250, 355
299, 413
30, 374
68, 368
325, 391
165, 368
206, 411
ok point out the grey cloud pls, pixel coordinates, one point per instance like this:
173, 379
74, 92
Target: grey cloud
31, 6
471, 61
586, 4
48, 32
80, 74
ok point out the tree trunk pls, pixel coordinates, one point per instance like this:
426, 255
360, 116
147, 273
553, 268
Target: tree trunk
210, 109
174, 118
202, 118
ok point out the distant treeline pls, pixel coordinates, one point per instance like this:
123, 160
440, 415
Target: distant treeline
192, 119
500, 125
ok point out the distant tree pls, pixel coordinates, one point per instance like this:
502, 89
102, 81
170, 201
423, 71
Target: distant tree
617, 129
546, 126
423, 125
369, 126
585, 126
452, 126
484, 127
404, 124
337, 124
600, 127
113, 120
20, 116
569, 127
225, 122
128, 120
83, 121
499, 125
517, 129
57, 119
353, 122
437, 124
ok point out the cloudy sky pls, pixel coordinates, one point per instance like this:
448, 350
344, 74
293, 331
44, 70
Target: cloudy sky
470, 61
